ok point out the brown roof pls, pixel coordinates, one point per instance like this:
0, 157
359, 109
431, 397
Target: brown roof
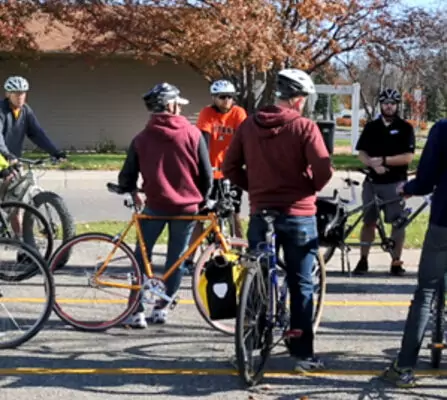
54, 38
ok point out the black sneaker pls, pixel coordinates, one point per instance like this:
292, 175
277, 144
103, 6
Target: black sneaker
402, 378
396, 268
362, 267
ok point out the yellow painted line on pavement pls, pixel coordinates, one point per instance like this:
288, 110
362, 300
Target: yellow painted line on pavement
337, 303
179, 371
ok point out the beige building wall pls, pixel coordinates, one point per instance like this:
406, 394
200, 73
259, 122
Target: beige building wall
82, 105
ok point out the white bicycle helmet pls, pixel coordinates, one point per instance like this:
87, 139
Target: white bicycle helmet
16, 84
222, 87
292, 83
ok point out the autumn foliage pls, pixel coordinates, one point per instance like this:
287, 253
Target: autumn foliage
247, 41
14, 36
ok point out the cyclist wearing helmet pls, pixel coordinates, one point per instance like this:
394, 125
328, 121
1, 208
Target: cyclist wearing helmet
218, 122
18, 120
172, 157
386, 146
280, 158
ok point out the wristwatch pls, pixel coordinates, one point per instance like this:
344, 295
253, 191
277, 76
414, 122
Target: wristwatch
384, 161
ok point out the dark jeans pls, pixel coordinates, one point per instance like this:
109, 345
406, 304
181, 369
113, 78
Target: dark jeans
298, 238
432, 267
179, 234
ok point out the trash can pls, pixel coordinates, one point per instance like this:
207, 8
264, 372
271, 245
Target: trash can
327, 129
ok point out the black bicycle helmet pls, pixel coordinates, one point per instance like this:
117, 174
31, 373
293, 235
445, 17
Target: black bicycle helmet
161, 95
390, 94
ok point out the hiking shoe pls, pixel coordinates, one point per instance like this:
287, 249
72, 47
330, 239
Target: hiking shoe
362, 267
402, 378
396, 268
310, 364
136, 321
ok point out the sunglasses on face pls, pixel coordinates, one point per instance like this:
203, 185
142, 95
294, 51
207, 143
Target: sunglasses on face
224, 97
393, 103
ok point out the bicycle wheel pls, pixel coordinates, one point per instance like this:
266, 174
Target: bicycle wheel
319, 279
253, 332
319, 284
438, 326
107, 305
66, 229
40, 239
21, 303
328, 252
224, 326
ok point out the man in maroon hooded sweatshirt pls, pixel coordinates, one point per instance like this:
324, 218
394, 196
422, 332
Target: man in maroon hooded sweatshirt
172, 157
280, 158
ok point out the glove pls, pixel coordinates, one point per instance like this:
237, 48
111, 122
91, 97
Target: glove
6, 172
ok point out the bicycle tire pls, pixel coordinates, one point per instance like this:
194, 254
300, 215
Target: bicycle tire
316, 319
438, 328
55, 265
322, 295
41, 267
28, 235
328, 253
68, 226
198, 270
244, 374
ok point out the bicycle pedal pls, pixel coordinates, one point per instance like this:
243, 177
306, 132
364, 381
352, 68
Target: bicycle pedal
174, 303
293, 333
436, 346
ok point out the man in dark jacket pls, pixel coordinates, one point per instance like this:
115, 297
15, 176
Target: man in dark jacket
172, 157
431, 177
286, 163
18, 120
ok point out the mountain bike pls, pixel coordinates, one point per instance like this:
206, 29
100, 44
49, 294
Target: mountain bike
263, 306
25, 188
335, 226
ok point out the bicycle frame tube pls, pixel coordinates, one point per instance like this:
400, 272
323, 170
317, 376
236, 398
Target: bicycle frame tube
273, 277
377, 203
427, 201
136, 218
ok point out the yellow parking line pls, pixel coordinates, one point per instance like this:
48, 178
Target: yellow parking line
337, 303
179, 371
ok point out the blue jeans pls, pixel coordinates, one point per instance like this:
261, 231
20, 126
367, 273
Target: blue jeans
298, 238
432, 267
179, 235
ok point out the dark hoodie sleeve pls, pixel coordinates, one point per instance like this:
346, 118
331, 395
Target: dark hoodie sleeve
128, 175
234, 161
318, 157
431, 163
205, 170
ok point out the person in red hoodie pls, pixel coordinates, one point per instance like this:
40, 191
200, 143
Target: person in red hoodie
172, 157
280, 159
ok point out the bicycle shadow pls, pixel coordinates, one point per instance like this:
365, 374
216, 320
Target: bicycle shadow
142, 370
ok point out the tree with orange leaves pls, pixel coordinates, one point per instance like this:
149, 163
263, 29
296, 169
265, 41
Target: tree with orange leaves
246, 41
14, 37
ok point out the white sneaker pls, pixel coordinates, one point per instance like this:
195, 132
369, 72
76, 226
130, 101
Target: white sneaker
136, 321
159, 315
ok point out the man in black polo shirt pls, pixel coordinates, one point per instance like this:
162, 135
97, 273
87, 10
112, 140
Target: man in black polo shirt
386, 146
